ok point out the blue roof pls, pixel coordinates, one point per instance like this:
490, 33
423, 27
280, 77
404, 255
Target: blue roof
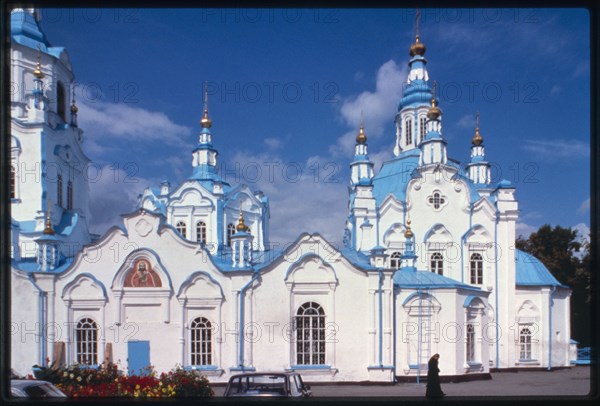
408, 278
25, 30
531, 272
356, 258
394, 175
30, 265
67, 224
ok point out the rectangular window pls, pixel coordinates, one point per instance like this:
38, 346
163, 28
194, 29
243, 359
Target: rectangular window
470, 343
422, 129
525, 348
408, 132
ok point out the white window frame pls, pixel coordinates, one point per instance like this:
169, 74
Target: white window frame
310, 350
201, 342
86, 347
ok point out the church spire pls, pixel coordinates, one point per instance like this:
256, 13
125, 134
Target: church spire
204, 156
38, 90
361, 167
479, 169
413, 106
409, 257
48, 230
74, 108
433, 147
205, 122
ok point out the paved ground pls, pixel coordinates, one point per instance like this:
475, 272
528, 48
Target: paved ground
566, 382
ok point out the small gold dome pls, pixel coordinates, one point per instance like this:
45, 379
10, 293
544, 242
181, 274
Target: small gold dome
361, 138
38, 71
408, 233
74, 108
418, 48
48, 230
205, 122
241, 226
434, 112
477, 138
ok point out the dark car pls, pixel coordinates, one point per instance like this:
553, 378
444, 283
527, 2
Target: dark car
34, 389
267, 384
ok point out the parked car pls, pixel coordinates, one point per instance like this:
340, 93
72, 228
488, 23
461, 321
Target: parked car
267, 384
34, 389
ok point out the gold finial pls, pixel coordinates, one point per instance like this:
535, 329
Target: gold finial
418, 48
74, 108
38, 69
205, 122
361, 138
434, 112
477, 138
241, 226
48, 230
408, 233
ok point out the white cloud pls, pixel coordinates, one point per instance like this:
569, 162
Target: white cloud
550, 149
378, 107
113, 192
585, 206
524, 229
467, 121
273, 143
308, 196
110, 120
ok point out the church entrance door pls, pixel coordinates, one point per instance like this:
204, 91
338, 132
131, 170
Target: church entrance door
138, 357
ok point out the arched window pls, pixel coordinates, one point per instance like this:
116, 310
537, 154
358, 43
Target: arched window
476, 269
13, 182
230, 233
181, 228
470, 343
61, 101
69, 195
395, 260
310, 334
525, 344
201, 231
59, 190
201, 341
408, 124
437, 263
422, 128
86, 341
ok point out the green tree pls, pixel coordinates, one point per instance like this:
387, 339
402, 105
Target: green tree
557, 249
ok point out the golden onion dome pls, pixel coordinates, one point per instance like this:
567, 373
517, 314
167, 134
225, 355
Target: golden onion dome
38, 71
74, 108
205, 122
48, 230
241, 226
477, 138
361, 138
418, 48
408, 233
434, 112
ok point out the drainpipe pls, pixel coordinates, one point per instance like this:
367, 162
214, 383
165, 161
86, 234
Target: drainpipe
419, 293
462, 245
395, 336
497, 293
241, 333
550, 330
42, 320
380, 318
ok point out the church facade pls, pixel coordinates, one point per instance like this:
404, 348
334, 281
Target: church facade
189, 277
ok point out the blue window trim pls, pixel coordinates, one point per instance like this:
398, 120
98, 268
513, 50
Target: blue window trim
243, 369
310, 367
200, 368
380, 367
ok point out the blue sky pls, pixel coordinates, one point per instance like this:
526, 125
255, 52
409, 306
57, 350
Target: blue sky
287, 87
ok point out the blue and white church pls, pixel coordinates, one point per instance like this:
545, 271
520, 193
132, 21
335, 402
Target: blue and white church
190, 277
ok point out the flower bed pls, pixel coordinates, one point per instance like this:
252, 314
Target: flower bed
108, 381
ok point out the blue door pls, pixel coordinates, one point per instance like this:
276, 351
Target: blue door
138, 357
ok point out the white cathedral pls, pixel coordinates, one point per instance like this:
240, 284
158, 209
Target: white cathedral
189, 277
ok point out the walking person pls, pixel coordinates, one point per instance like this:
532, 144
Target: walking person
434, 390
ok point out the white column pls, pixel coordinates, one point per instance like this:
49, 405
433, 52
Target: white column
182, 332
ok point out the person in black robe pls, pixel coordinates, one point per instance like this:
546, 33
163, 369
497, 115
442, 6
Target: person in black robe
434, 390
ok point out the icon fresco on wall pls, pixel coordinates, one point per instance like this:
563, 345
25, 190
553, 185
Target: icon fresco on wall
142, 276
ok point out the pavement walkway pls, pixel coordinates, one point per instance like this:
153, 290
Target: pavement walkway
572, 382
